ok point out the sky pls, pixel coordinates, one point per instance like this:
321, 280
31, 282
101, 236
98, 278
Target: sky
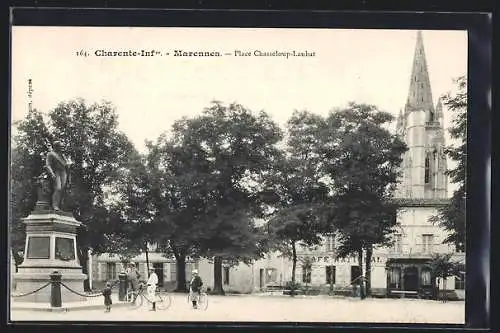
150, 93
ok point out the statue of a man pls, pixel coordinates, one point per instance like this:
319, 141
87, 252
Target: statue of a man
58, 169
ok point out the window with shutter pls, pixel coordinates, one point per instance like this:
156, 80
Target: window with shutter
173, 271
111, 271
226, 275
101, 273
427, 170
355, 275
271, 275
398, 243
427, 242
189, 270
306, 274
330, 274
394, 277
426, 277
460, 278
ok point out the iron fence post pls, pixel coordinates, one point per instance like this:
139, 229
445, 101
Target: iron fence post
122, 291
55, 293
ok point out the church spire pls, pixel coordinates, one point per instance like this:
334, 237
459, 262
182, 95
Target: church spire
420, 95
439, 109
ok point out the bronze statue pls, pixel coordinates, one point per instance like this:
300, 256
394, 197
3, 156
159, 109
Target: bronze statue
58, 168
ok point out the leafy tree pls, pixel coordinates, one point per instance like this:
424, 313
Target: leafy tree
98, 150
225, 153
452, 216
362, 158
363, 221
293, 227
299, 189
443, 266
177, 196
307, 264
128, 199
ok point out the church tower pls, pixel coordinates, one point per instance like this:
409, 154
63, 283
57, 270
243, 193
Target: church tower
420, 125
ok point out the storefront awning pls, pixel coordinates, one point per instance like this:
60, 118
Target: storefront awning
407, 261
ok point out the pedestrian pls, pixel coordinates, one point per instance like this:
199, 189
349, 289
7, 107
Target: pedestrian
133, 277
195, 288
107, 297
151, 287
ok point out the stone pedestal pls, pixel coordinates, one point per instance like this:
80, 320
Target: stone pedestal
50, 246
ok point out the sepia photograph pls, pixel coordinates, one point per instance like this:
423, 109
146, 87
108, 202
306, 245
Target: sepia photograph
168, 174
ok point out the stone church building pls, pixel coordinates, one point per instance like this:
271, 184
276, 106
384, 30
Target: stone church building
401, 268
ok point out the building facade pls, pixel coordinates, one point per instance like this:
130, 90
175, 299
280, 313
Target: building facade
401, 268
422, 189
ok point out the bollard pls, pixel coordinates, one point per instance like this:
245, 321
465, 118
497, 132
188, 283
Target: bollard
55, 293
122, 292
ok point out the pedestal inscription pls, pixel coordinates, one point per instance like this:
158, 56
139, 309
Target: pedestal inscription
38, 247
65, 249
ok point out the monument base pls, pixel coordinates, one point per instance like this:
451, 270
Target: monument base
31, 278
50, 247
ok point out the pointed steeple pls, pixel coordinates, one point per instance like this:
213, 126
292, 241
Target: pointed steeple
439, 109
419, 95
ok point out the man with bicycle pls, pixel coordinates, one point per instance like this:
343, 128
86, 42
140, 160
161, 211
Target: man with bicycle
195, 288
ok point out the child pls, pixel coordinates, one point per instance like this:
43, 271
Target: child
107, 297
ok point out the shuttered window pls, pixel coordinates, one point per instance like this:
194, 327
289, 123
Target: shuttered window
173, 271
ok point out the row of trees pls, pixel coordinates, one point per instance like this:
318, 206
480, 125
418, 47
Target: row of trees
199, 189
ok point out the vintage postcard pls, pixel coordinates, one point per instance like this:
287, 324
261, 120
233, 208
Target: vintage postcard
238, 175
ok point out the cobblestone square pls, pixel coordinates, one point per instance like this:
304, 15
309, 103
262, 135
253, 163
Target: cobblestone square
273, 308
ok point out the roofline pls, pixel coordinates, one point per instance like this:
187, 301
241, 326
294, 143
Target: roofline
414, 202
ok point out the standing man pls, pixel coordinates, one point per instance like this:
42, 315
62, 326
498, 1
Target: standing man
195, 288
151, 287
58, 169
133, 277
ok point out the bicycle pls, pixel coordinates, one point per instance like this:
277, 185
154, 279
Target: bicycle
202, 301
136, 298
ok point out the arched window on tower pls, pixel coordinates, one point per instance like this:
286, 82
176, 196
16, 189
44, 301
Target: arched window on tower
431, 116
427, 170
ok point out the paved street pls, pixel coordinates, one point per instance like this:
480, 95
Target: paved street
274, 308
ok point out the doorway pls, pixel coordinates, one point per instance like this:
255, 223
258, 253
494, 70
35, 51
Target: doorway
261, 279
411, 278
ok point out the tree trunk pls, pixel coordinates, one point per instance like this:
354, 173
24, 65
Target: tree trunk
218, 290
180, 263
368, 275
444, 289
294, 262
147, 258
361, 278
438, 285
293, 290
84, 260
